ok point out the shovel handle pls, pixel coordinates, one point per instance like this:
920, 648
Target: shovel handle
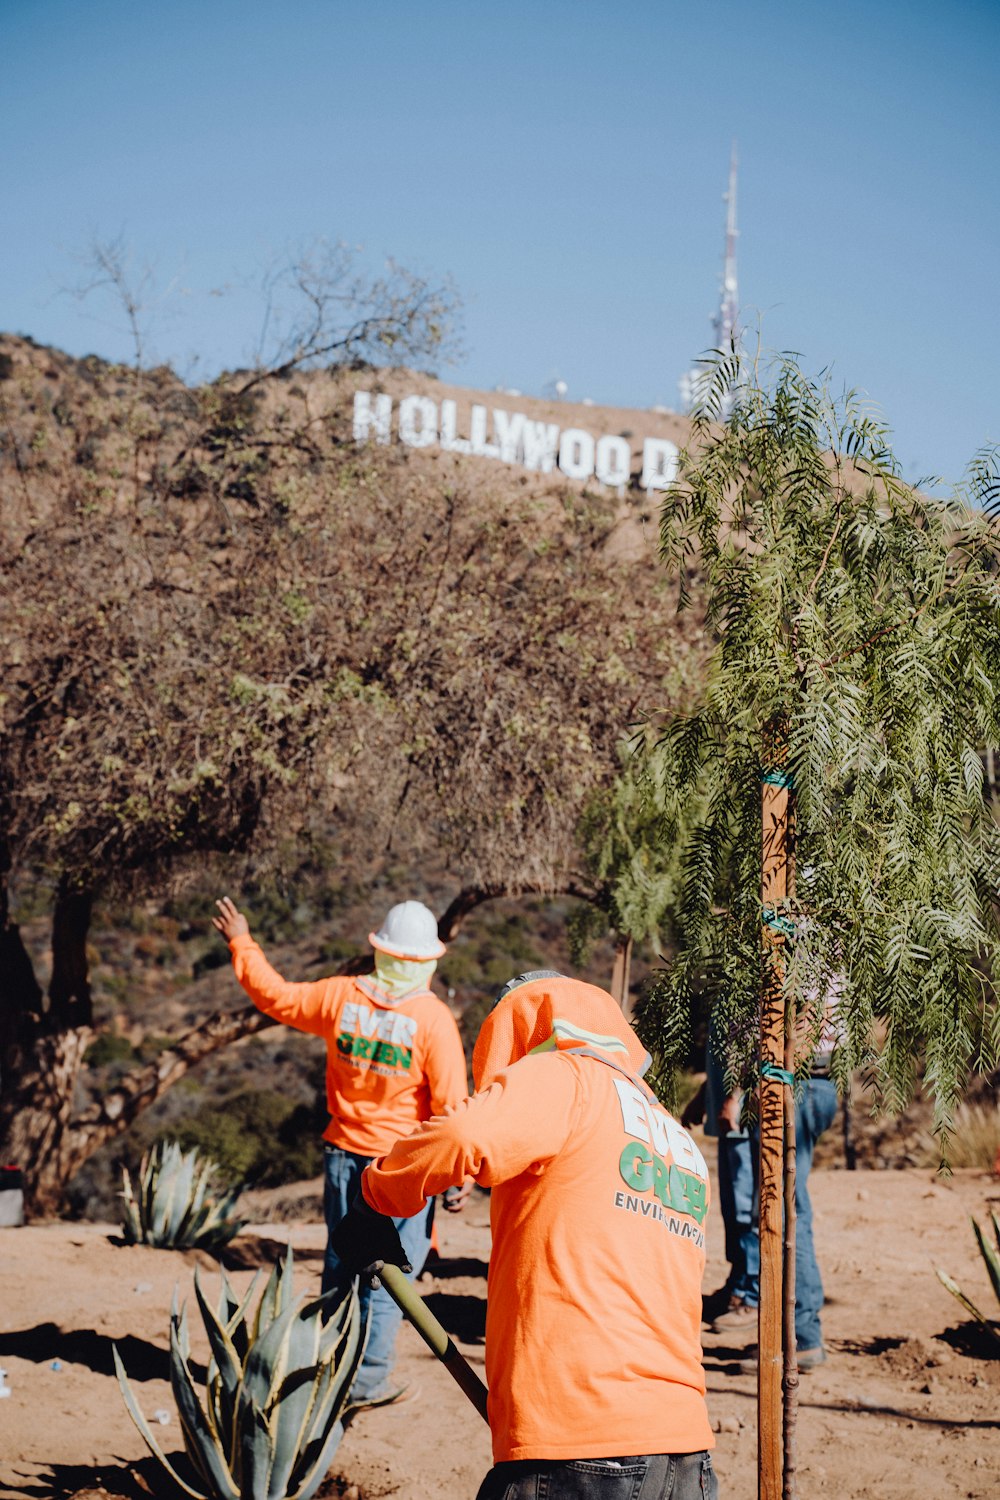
415, 1310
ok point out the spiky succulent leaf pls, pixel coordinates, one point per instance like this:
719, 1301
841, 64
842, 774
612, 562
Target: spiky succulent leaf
291, 1409
989, 1255
267, 1306
312, 1475
237, 1327
202, 1445
256, 1453
970, 1307
132, 1406
333, 1391
225, 1372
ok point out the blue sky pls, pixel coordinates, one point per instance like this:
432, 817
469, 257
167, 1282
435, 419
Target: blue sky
564, 162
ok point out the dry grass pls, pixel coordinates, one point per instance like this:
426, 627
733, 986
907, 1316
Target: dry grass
974, 1141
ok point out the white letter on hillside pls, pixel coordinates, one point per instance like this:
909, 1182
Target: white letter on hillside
418, 421
365, 418
449, 425
509, 428
659, 464
541, 443
576, 453
614, 460
477, 428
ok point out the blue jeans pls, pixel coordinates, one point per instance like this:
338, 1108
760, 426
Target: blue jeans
650, 1476
814, 1113
736, 1203
815, 1110
342, 1185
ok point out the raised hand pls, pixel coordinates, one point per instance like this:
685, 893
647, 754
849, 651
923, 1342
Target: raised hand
230, 921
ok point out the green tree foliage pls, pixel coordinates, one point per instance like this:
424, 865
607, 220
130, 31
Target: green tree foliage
258, 1136
858, 621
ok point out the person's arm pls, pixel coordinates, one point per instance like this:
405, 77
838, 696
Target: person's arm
298, 1005
447, 1080
694, 1110
729, 1115
520, 1122
444, 1063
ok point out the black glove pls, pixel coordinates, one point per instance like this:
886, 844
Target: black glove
363, 1237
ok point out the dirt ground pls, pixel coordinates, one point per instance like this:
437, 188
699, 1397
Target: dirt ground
907, 1404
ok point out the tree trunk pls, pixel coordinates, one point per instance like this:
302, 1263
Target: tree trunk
790, 1379
39, 1136
69, 988
44, 1044
620, 972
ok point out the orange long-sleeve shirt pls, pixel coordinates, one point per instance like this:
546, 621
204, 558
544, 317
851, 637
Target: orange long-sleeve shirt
593, 1345
389, 1064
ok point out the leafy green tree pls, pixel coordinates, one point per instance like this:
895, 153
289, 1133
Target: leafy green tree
858, 625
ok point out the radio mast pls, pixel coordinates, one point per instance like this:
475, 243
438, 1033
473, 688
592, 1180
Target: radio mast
725, 324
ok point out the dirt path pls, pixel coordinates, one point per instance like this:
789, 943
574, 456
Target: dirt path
908, 1403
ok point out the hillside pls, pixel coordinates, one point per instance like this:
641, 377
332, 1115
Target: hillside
248, 652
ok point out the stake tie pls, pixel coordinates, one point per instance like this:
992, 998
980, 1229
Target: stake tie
777, 922
778, 778
772, 1072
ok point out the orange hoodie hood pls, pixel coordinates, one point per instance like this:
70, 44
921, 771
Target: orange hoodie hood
544, 1012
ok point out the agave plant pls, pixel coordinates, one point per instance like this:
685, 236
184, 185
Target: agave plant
992, 1259
175, 1207
276, 1386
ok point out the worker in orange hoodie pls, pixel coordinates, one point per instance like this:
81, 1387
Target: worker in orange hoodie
394, 1058
598, 1206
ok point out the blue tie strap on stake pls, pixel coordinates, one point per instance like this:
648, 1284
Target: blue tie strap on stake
773, 1073
778, 778
776, 922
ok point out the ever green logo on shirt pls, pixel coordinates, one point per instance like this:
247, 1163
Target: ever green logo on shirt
680, 1191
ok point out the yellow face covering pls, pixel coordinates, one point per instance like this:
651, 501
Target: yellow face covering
398, 976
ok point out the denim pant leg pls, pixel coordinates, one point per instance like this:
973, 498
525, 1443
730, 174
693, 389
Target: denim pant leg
744, 1280
814, 1113
726, 1209
651, 1476
341, 1186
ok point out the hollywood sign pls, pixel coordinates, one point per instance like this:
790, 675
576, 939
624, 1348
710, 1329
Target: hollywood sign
514, 438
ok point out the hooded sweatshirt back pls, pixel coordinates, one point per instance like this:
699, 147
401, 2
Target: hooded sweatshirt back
598, 1205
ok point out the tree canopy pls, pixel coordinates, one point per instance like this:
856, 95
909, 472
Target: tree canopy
858, 627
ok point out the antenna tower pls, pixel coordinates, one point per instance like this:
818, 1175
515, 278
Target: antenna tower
725, 323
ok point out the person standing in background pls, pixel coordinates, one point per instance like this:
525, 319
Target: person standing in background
734, 1304
394, 1059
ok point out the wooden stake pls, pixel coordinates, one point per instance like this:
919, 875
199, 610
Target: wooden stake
775, 851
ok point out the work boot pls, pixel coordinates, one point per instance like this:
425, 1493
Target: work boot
399, 1396
738, 1314
805, 1359
714, 1304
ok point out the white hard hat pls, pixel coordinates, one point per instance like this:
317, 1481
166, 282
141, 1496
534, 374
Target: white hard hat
409, 931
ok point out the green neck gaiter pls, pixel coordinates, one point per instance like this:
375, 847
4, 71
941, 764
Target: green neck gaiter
398, 976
